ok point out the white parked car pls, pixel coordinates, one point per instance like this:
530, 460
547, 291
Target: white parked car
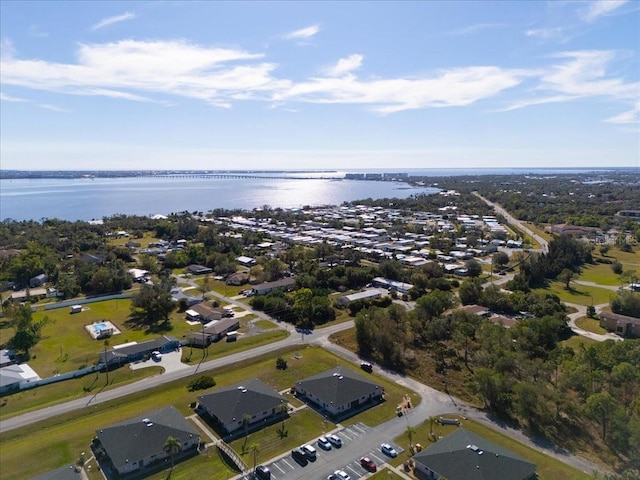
388, 450
156, 355
309, 451
334, 440
339, 475
324, 443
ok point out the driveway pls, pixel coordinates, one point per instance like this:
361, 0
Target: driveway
171, 362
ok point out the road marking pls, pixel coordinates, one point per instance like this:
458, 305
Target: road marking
288, 465
355, 472
358, 427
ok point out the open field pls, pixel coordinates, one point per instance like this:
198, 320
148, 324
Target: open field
548, 468
601, 274
538, 230
62, 439
579, 294
590, 325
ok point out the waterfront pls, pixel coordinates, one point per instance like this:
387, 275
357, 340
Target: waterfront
86, 199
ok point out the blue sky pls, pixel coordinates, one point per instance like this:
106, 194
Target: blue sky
340, 85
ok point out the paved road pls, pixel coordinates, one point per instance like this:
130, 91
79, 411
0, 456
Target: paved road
514, 221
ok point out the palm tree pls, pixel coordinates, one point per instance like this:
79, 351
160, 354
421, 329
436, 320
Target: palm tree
246, 420
172, 447
282, 410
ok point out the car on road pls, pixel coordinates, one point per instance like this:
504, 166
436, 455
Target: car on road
366, 366
334, 440
262, 473
324, 444
339, 475
309, 452
299, 456
388, 450
368, 464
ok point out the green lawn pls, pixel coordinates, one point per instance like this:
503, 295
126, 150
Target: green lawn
579, 294
61, 440
590, 325
601, 274
577, 341
548, 467
385, 474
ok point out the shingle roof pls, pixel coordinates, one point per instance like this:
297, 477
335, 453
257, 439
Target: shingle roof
247, 398
463, 455
134, 439
63, 473
338, 386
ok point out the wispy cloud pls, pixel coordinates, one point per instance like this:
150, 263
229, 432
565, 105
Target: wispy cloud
35, 31
345, 65
600, 8
471, 29
546, 33
629, 117
581, 74
105, 22
8, 98
303, 33
53, 108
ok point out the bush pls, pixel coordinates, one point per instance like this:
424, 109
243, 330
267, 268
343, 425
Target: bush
616, 267
281, 363
201, 383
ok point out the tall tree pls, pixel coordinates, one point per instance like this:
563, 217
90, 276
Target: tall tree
172, 446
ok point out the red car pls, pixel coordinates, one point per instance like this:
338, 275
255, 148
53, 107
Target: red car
368, 464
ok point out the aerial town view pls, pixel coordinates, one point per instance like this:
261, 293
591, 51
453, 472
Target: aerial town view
320, 240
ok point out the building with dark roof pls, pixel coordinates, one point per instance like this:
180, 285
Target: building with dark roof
130, 352
68, 472
339, 390
622, 325
284, 284
213, 332
138, 443
463, 455
229, 406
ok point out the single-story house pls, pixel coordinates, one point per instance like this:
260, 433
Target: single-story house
623, 325
339, 390
36, 293
130, 352
229, 406
246, 261
284, 284
138, 274
38, 280
400, 287
203, 313
238, 278
371, 294
7, 357
478, 310
16, 377
463, 455
213, 332
139, 442
93, 259
568, 229
198, 269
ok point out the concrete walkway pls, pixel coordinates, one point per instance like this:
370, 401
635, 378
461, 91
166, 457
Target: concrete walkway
581, 311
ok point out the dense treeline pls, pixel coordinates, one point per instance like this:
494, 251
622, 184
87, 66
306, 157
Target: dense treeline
523, 373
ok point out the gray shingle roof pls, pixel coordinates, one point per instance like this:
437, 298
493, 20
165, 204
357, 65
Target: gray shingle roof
67, 472
247, 398
131, 440
458, 457
339, 386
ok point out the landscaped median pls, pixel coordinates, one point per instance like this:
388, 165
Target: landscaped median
60, 441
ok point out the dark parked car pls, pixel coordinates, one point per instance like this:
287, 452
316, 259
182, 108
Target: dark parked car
262, 473
367, 367
368, 464
299, 456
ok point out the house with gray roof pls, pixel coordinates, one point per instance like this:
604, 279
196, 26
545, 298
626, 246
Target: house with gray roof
284, 283
138, 443
229, 406
130, 352
68, 472
463, 455
339, 390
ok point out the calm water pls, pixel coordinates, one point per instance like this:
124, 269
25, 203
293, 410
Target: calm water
87, 199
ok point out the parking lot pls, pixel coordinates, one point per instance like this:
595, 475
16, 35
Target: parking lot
356, 443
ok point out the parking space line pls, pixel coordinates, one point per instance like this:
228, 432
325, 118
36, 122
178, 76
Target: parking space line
358, 427
380, 460
288, 464
355, 472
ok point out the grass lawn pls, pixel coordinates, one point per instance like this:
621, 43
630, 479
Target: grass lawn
548, 467
385, 473
590, 325
66, 345
601, 274
577, 341
264, 324
538, 230
60, 440
579, 294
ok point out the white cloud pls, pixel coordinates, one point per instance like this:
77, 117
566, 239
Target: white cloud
455, 87
471, 29
345, 65
105, 22
630, 116
600, 8
8, 98
53, 108
582, 74
34, 31
546, 33
303, 33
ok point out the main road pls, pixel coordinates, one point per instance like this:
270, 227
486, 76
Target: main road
514, 221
